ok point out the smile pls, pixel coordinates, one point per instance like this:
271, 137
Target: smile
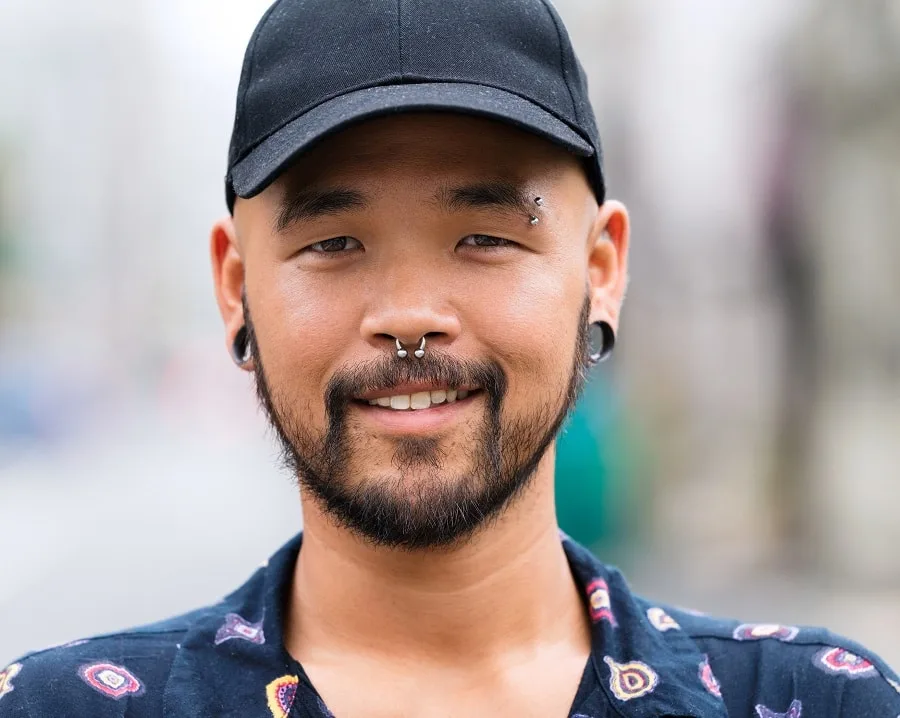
418, 400
416, 408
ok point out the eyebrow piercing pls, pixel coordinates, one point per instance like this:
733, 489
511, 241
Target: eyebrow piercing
402, 353
533, 220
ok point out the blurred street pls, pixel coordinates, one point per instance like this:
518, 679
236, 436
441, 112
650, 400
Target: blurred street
147, 519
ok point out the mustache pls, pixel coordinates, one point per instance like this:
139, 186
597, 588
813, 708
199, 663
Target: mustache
439, 368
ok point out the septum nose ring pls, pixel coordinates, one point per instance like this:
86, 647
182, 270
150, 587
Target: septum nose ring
418, 353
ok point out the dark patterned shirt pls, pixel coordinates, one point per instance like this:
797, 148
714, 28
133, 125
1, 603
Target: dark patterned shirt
647, 660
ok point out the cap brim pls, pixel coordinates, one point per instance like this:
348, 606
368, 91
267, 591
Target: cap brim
253, 173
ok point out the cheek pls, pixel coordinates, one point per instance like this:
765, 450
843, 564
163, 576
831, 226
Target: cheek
301, 336
532, 328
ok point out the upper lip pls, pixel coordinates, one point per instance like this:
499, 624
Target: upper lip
413, 388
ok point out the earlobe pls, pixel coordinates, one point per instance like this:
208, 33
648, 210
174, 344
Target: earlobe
228, 279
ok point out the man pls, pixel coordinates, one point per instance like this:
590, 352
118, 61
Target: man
419, 246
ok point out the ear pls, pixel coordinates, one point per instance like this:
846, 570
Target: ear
608, 262
228, 279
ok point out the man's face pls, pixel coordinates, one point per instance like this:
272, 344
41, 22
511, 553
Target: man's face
402, 228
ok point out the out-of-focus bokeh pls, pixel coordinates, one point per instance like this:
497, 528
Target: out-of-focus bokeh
739, 455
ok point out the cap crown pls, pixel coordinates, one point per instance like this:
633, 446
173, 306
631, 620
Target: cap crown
306, 52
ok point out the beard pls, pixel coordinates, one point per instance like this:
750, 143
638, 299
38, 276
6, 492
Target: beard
420, 504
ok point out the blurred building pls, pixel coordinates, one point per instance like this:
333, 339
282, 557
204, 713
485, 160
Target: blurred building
847, 86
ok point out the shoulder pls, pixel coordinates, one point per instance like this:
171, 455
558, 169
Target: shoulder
166, 665
772, 670
97, 676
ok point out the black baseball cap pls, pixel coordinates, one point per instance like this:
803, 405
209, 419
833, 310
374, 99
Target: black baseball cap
314, 67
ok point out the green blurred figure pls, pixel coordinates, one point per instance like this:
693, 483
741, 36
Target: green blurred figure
593, 469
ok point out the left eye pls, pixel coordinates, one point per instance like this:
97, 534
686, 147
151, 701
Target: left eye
485, 241
334, 245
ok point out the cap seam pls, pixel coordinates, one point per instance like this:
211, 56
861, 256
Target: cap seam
562, 58
411, 81
251, 55
400, 39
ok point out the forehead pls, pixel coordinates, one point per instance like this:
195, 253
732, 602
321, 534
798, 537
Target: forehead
430, 148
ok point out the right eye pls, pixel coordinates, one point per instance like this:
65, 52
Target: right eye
335, 245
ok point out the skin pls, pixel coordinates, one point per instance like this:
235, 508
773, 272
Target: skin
491, 623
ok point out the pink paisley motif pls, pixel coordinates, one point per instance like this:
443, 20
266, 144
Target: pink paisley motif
760, 631
600, 603
111, 680
661, 620
6, 678
840, 660
708, 678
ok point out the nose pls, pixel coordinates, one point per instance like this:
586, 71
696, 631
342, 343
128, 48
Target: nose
407, 309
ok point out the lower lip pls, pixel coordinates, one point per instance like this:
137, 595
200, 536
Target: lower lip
416, 421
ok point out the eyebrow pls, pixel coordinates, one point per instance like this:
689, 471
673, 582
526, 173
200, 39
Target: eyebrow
493, 194
308, 204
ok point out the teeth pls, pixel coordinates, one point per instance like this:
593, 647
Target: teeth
419, 400
400, 402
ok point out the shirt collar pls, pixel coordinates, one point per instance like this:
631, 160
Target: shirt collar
647, 666
233, 656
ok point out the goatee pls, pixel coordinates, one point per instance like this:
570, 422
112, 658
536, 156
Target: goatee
418, 504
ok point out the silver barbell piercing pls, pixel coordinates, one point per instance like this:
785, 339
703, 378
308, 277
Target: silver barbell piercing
418, 353
532, 219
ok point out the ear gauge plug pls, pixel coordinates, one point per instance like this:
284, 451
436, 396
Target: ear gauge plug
601, 351
240, 348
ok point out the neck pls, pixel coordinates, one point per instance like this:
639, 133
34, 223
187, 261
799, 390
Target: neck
506, 589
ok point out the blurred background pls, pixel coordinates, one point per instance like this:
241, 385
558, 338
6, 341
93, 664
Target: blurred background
740, 453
